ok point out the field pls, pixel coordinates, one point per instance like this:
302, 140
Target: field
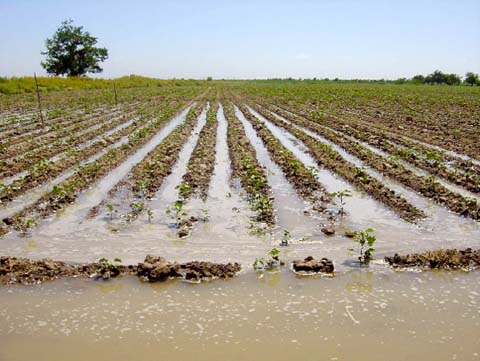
214, 175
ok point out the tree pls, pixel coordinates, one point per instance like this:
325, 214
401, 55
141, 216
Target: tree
72, 51
418, 79
472, 79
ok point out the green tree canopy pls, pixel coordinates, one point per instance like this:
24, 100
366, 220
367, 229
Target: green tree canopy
72, 51
472, 79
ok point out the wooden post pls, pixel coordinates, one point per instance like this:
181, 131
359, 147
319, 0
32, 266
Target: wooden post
115, 90
39, 101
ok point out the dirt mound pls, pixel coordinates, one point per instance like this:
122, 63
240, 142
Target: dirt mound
155, 269
439, 259
312, 265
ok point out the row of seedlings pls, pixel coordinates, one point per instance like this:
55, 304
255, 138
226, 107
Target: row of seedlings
200, 168
303, 179
67, 191
246, 168
427, 186
45, 170
327, 157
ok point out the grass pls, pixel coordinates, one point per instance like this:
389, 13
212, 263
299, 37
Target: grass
18, 85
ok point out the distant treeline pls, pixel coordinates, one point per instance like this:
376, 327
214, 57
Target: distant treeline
437, 77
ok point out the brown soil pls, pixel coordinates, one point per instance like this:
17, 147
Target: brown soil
312, 265
154, 269
440, 259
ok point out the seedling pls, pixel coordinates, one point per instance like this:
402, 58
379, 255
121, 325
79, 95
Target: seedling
269, 264
341, 195
110, 210
150, 215
136, 208
205, 217
365, 240
26, 225
286, 238
108, 268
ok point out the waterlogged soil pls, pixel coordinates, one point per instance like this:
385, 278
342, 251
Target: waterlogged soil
362, 315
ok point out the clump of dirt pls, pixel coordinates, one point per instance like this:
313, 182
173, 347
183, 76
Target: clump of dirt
155, 269
439, 259
311, 265
329, 230
25, 271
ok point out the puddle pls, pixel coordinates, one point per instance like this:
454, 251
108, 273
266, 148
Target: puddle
361, 315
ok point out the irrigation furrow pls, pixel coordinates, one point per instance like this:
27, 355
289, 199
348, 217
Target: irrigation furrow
437, 159
330, 158
49, 170
289, 207
67, 192
463, 185
30, 196
49, 154
426, 186
28, 149
200, 168
63, 126
294, 170
247, 169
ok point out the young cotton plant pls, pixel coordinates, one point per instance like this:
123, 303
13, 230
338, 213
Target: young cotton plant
341, 195
365, 240
271, 263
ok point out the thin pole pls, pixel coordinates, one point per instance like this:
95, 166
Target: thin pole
115, 90
38, 98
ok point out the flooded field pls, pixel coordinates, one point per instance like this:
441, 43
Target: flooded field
259, 176
362, 315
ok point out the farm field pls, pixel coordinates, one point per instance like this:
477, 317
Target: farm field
227, 173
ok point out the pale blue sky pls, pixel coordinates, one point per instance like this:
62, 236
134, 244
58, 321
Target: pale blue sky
254, 39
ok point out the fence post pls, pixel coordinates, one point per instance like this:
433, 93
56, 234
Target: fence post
115, 90
38, 98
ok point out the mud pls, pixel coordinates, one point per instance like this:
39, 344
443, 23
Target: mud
447, 259
248, 170
295, 171
154, 269
202, 162
311, 265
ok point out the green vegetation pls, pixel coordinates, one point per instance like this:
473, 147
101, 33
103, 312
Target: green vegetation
270, 263
365, 240
16, 85
71, 51
341, 195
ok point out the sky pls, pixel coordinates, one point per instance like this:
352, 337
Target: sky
253, 39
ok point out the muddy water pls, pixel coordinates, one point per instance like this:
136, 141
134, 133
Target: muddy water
80, 147
289, 207
441, 229
361, 315
34, 194
225, 216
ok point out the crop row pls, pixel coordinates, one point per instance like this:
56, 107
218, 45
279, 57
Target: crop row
425, 157
465, 174
246, 168
303, 179
43, 153
427, 186
150, 173
67, 191
327, 157
44, 170
202, 162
